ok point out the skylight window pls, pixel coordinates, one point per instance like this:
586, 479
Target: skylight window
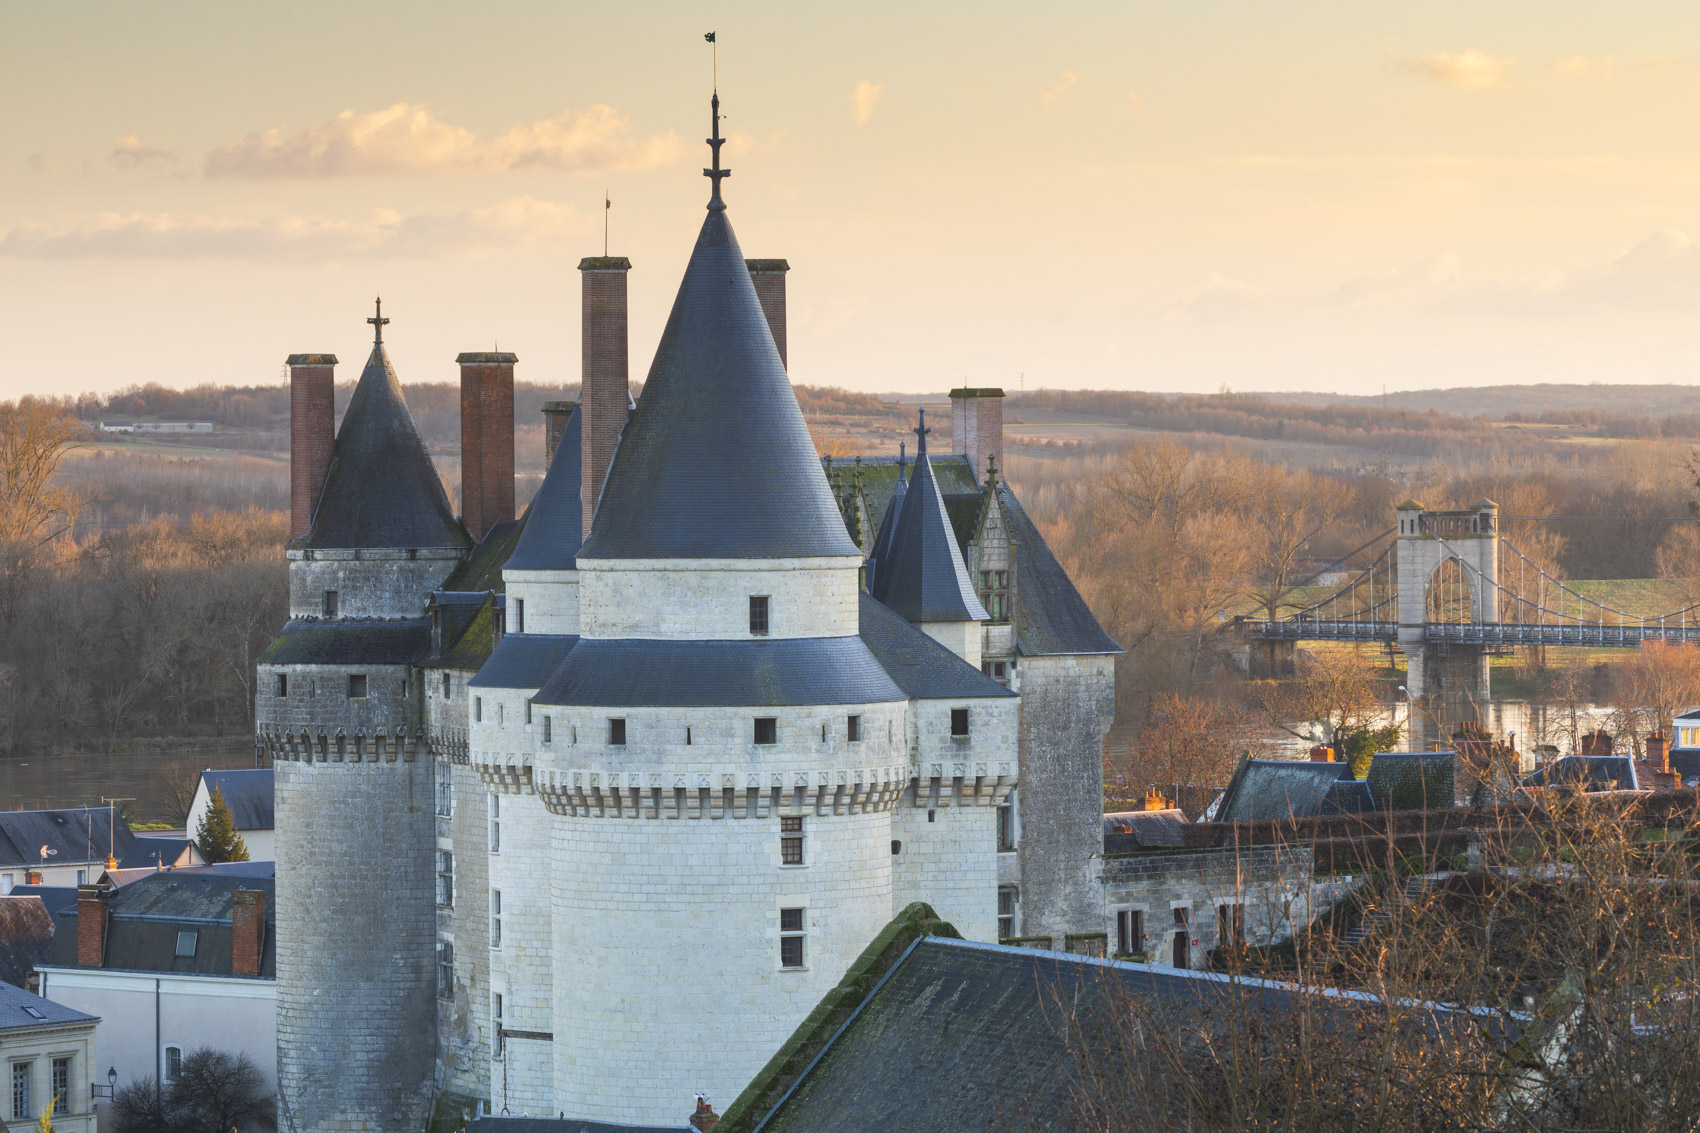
34, 1013
186, 941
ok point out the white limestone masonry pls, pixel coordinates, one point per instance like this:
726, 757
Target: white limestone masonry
710, 598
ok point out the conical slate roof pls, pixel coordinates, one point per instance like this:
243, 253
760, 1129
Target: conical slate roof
716, 462
553, 524
882, 540
382, 489
922, 576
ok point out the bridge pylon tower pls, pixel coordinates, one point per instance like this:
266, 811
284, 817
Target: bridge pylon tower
1427, 541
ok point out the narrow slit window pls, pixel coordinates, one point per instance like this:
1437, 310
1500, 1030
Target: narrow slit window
1006, 913
478, 709
519, 615
548, 729
495, 918
445, 970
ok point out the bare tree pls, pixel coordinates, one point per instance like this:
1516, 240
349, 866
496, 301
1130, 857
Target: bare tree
34, 512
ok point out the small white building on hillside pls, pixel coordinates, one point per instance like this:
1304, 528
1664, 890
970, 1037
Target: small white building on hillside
249, 795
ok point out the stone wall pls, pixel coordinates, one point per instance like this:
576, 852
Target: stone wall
1066, 705
551, 600
702, 599
1273, 883
318, 700
369, 584
521, 968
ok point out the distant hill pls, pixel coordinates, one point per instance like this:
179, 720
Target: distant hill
1522, 402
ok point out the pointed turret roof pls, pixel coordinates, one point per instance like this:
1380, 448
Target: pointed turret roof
553, 527
716, 462
382, 489
882, 540
922, 576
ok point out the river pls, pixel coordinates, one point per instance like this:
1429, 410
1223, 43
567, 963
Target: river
37, 781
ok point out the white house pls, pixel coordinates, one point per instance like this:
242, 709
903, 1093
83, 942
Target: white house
172, 962
47, 1056
249, 796
67, 846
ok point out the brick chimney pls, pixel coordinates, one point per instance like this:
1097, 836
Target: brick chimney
32, 877
92, 908
1154, 799
1658, 751
704, 1118
486, 440
1321, 754
976, 427
247, 931
312, 434
605, 391
769, 278
556, 414
1596, 743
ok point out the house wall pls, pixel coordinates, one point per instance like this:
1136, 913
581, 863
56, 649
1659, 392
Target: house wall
142, 1013
38, 1047
1273, 883
262, 844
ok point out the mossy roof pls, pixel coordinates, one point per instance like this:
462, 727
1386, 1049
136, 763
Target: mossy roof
349, 641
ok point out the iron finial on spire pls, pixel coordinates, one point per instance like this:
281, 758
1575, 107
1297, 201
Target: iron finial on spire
378, 323
902, 458
716, 174
921, 431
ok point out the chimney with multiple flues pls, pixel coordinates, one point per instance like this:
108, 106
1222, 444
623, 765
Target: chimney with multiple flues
704, 1118
312, 434
486, 440
976, 427
92, 910
247, 931
769, 279
605, 388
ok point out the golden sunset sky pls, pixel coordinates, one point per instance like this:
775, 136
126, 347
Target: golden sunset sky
1331, 196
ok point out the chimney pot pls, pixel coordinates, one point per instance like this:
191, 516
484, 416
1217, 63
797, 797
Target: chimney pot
769, 279
704, 1118
247, 931
486, 440
976, 427
92, 913
604, 387
312, 434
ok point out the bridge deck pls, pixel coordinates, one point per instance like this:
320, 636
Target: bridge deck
1473, 633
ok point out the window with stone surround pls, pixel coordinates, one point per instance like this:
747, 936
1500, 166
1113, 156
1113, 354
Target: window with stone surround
173, 1063
959, 722
495, 918
21, 1091
478, 709
791, 938
283, 684
1130, 932
61, 1085
330, 603
495, 824
1230, 925
519, 615
548, 729
1006, 827
357, 686
854, 728
448, 688
445, 878
767, 730
1006, 912
758, 615
617, 730
994, 594
997, 670
791, 841
445, 792
445, 970
500, 1045
528, 710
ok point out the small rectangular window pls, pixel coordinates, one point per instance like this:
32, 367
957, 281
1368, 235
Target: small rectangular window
1006, 913
1130, 932
498, 1025
330, 603
791, 938
495, 824
767, 729
791, 841
173, 1063
1230, 925
445, 878
495, 918
528, 711
959, 721
1006, 827
854, 728
617, 731
357, 686
445, 970
283, 684
519, 615
548, 729
478, 709
447, 688
445, 792
186, 944
758, 615
61, 1085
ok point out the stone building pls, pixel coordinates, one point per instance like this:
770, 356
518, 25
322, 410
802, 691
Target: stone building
650, 753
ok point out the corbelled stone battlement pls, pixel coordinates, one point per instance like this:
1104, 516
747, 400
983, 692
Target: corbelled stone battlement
339, 747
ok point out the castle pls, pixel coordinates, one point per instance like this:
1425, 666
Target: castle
583, 812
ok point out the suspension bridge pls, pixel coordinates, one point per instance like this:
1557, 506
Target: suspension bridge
1447, 586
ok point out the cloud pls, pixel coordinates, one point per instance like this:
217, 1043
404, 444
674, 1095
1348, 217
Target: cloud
407, 138
384, 235
1661, 271
1582, 67
1470, 70
862, 100
1053, 95
129, 152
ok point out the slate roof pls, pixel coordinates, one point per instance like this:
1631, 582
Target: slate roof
1278, 789
1139, 829
248, 793
921, 575
146, 916
1050, 614
382, 489
147, 852
716, 462
481, 570
1416, 780
879, 480
564, 1125
54, 898
350, 641
554, 523
1591, 772
772, 672
524, 660
26, 930
18, 1010
73, 833
887, 527
922, 667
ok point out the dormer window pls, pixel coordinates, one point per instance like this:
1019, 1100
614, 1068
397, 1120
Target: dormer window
758, 615
994, 594
330, 603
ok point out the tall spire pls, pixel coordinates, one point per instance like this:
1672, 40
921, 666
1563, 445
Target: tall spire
921, 431
378, 323
717, 174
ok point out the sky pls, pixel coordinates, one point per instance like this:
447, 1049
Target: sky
1342, 196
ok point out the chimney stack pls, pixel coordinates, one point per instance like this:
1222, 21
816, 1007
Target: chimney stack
605, 391
704, 1118
1154, 799
976, 427
247, 931
486, 440
1658, 751
92, 911
1321, 754
769, 278
312, 434
32, 877
556, 414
